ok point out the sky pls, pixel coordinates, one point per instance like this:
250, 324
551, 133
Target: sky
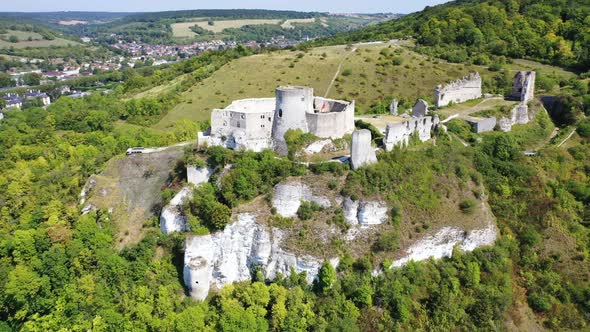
334, 6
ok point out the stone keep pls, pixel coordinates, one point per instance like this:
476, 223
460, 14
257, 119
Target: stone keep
245, 124
523, 86
420, 109
462, 90
393, 107
258, 124
292, 105
362, 153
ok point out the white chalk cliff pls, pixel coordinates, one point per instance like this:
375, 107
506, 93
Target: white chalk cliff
225, 257
364, 213
442, 243
171, 218
198, 175
288, 196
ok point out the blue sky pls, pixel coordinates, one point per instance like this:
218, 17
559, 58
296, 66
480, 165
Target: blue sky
336, 6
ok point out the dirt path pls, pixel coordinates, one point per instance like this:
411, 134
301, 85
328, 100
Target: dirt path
338, 71
567, 138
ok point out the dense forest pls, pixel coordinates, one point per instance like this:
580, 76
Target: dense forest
555, 31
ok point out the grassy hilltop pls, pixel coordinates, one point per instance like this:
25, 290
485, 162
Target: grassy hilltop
371, 74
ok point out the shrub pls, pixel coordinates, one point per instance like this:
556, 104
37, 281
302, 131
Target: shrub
398, 61
584, 128
307, 209
539, 302
347, 72
468, 206
388, 241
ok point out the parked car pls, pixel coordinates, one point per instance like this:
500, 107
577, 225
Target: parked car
135, 150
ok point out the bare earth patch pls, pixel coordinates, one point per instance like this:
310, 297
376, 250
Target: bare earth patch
131, 187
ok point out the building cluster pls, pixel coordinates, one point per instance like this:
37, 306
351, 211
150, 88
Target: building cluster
13, 100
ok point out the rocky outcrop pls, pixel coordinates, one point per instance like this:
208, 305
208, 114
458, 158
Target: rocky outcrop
171, 218
442, 243
362, 153
364, 213
225, 257
317, 146
198, 175
287, 198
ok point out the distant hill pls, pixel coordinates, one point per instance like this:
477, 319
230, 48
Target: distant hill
555, 31
228, 24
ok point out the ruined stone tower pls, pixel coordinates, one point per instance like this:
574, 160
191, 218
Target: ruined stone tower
292, 105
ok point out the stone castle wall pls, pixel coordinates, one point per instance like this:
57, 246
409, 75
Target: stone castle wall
399, 133
245, 124
467, 88
523, 86
257, 124
334, 124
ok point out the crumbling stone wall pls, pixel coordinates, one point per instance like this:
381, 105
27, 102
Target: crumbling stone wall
462, 90
420, 109
483, 125
399, 133
523, 86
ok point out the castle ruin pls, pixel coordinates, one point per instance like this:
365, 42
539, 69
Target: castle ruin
362, 153
459, 91
523, 86
261, 123
399, 133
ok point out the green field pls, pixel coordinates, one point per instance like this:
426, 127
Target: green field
36, 40
183, 30
289, 24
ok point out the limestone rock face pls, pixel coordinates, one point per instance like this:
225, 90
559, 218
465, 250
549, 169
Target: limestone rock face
171, 219
420, 109
225, 257
198, 175
288, 196
442, 243
317, 146
364, 213
362, 153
